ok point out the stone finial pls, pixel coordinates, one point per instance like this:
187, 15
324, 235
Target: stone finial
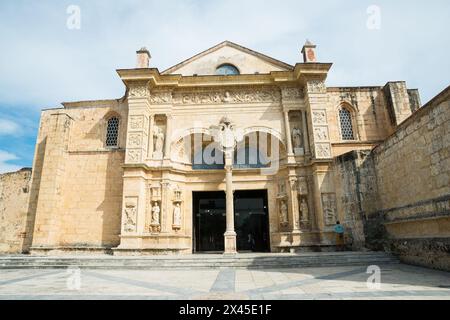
309, 52
143, 58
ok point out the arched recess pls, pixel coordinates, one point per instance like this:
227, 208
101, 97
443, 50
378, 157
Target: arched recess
347, 116
196, 147
259, 148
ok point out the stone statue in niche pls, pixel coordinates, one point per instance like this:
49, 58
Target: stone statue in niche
130, 217
158, 137
177, 216
155, 214
284, 213
297, 141
304, 211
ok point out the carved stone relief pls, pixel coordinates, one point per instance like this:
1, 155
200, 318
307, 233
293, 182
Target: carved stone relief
292, 93
284, 219
323, 150
130, 215
316, 86
139, 91
134, 156
155, 190
161, 97
135, 140
136, 122
319, 117
329, 208
321, 134
228, 96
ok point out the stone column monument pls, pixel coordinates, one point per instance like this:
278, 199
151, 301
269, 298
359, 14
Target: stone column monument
226, 136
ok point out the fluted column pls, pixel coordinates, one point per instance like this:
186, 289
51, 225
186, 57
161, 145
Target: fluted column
287, 127
230, 234
305, 133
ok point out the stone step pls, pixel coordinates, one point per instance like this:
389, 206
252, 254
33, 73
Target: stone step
248, 261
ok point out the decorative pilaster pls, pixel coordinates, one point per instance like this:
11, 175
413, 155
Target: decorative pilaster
168, 137
294, 204
138, 119
287, 127
135, 186
317, 109
150, 136
316, 100
165, 208
305, 133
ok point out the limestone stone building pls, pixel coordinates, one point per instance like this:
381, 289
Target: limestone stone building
228, 151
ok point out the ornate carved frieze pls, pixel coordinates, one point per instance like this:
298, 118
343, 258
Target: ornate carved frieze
163, 97
139, 91
316, 86
292, 93
251, 95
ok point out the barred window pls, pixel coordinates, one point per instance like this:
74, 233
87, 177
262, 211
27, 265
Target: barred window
345, 118
112, 132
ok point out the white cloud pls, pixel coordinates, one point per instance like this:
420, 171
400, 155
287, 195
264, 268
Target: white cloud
8, 127
4, 165
44, 63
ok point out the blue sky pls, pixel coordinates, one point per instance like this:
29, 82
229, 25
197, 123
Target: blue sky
43, 63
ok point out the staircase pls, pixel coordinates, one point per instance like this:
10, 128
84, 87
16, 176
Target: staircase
201, 261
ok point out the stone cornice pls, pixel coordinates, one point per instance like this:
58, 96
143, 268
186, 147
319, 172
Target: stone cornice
302, 71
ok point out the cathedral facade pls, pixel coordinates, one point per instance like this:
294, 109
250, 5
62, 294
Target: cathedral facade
229, 151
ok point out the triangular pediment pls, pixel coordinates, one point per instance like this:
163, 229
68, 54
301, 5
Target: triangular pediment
245, 60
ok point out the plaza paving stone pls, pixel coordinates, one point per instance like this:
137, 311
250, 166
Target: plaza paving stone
398, 282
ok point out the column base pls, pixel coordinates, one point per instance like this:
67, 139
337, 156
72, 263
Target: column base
230, 242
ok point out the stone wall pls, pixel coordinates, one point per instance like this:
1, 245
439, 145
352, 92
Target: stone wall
76, 197
14, 195
406, 209
356, 190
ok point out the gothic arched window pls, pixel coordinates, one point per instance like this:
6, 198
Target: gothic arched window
112, 132
345, 119
227, 70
